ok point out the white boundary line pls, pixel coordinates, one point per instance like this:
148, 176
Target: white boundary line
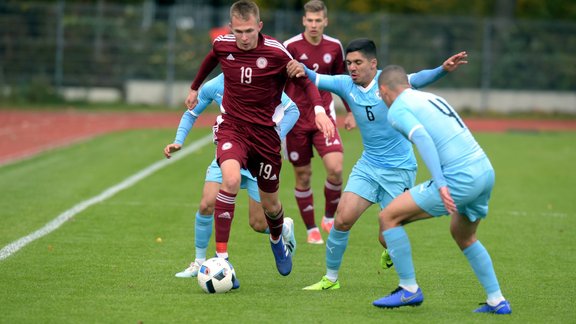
54, 224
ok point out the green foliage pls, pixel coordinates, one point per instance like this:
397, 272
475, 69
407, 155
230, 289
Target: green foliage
38, 90
105, 265
104, 46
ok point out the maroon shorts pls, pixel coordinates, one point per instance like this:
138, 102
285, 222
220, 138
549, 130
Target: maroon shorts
255, 147
300, 143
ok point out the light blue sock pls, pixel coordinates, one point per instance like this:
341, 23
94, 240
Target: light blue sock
481, 263
335, 246
202, 233
401, 254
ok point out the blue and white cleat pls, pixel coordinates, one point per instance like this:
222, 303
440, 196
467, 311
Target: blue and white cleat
282, 256
288, 234
400, 297
191, 271
503, 308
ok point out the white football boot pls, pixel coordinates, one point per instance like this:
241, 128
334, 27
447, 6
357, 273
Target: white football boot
191, 271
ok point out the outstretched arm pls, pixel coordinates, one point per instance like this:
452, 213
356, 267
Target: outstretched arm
426, 77
323, 122
454, 61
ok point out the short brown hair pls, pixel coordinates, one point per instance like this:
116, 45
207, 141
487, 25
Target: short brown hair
243, 9
315, 6
393, 76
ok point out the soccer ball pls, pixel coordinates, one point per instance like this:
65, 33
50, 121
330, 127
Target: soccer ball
216, 275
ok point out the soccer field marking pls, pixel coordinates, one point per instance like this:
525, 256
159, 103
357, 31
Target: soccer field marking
544, 214
54, 224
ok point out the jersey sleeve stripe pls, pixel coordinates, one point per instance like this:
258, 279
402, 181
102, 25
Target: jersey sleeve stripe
225, 38
332, 39
276, 44
413, 130
293, 39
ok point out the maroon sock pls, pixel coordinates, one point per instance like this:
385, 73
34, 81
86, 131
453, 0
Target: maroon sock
223, 215
332, 194
305, 201
275, 224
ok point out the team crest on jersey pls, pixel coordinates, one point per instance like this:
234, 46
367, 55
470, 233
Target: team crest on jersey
261, 62
294, 156
226, 146
327, 58
377, 93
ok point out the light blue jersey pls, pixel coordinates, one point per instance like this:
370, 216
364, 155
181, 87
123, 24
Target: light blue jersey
387, 166
449, 150
455, 146
384, 147
285, 117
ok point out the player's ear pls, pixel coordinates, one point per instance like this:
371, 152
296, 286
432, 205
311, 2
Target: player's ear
326, 22
304, 21
260, 25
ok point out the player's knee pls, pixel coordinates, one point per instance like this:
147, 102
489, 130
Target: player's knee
342, 224
335, 175
388, 220
231, 184
463, 240
303, 178
206, 207
334, 169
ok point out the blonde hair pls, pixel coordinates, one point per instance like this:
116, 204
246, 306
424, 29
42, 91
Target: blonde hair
243, 9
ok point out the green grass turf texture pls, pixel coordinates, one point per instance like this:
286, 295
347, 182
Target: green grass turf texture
106, 266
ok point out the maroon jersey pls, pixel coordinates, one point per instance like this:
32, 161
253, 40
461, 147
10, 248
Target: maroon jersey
324, 58
254, 79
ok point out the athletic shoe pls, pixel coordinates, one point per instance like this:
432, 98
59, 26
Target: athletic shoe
503, 308
327, 223
386, 260
282, 256
191, 271
314, 236
288, 234
324, 284
235, 282
400, 297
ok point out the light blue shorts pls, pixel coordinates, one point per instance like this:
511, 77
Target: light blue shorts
248, 182
470, 187
379, 185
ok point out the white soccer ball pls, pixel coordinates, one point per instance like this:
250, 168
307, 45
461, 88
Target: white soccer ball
216, 275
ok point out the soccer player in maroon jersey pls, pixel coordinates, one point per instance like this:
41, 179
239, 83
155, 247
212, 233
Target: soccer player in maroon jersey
323, 54
254, 67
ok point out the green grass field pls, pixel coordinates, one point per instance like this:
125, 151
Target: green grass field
106, 266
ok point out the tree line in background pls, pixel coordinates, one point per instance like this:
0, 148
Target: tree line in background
521, 9
105, 43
